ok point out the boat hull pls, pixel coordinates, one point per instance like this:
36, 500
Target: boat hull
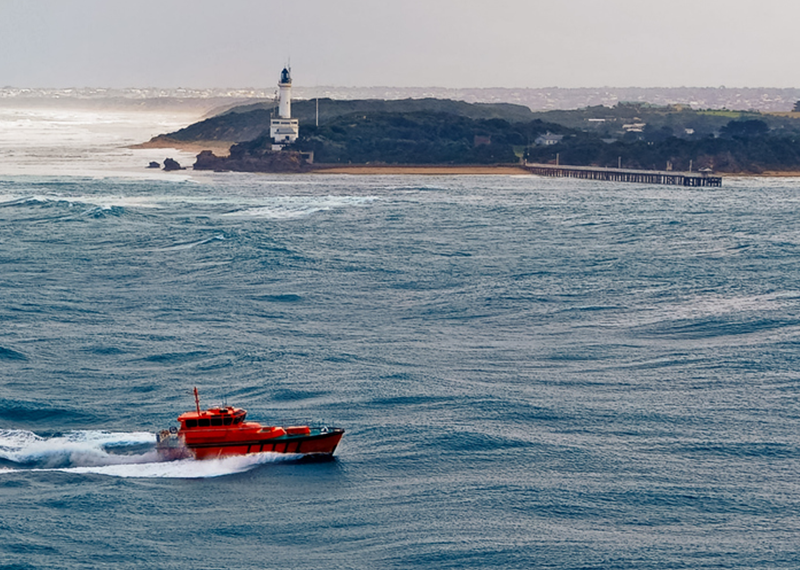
224, 431
318, 443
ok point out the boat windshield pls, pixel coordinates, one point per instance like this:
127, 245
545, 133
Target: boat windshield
214, 422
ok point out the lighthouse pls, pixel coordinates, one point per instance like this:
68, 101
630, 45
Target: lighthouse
285, 85
284, 130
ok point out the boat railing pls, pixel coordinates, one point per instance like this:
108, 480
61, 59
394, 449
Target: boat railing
300, 422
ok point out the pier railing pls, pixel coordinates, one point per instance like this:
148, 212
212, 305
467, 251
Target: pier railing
626, 175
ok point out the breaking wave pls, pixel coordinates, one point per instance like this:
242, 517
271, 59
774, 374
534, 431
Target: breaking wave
266, 207
288, 207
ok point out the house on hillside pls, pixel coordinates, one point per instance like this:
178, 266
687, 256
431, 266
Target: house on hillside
634, 127
548, 139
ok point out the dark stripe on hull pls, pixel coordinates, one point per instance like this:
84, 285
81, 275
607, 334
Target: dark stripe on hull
283, 444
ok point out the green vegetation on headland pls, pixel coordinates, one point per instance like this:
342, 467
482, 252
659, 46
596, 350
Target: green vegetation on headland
739, 146
250, 121
431, 131
410, 138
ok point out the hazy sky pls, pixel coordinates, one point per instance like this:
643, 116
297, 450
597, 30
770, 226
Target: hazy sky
403, 43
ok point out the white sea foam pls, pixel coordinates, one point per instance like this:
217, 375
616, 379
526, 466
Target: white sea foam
187, 468
6, 199
73, 448
88, 452
87, 142
288, 207
706, 306
105, 202
268, 207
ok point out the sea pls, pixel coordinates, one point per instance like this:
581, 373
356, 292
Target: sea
532, 373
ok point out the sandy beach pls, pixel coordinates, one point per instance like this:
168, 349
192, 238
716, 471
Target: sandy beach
768, 174
433, 169
219, 148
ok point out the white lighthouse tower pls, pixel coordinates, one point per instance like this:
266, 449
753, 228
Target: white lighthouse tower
284, 130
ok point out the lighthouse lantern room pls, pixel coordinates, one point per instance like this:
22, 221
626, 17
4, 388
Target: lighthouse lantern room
283, 129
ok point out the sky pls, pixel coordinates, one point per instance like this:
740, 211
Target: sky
402, 43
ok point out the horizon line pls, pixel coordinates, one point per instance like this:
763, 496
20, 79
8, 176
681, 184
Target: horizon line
313, 87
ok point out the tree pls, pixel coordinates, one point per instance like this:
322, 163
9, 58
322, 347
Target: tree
745, 129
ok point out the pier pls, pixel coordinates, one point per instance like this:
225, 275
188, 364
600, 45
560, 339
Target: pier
625, 175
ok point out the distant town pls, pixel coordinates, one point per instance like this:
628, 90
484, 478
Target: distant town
540, 99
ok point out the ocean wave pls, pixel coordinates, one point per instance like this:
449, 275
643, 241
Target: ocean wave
7, 200
192, 244
275, 207
11, 354
19, 410
106, 202
289, 207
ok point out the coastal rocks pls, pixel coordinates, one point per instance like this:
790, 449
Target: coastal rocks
266, 161
170, 164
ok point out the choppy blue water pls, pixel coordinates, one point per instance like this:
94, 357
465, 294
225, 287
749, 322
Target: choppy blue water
532, 373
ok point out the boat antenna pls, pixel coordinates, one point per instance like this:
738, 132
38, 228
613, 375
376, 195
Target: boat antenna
197, 400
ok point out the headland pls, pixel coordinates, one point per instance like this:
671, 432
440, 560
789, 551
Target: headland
432, 136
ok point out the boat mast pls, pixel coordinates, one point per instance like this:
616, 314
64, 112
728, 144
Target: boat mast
197, 400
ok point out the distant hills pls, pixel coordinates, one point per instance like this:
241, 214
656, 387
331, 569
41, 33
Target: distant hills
763, 99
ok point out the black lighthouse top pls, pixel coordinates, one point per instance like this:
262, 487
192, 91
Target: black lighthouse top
285, 77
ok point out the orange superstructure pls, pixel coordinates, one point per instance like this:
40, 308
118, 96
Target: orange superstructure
223, 431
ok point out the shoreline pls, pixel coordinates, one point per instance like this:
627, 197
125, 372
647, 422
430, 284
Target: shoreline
765, 174
366, 169
219, 148
222, 149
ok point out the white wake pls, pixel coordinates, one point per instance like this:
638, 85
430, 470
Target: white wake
115, 454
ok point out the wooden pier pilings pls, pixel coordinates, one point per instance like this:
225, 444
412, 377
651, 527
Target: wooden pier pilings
625, 175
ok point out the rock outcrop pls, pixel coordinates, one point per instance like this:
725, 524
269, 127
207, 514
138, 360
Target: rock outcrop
170, 164
265, 161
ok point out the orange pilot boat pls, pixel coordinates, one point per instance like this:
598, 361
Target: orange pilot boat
223, 431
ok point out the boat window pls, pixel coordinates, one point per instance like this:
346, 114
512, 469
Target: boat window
237, 421
204, 422
227, 421
216, 421
191, 424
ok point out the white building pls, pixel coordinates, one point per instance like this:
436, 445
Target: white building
634, 127
284, 130
548, 139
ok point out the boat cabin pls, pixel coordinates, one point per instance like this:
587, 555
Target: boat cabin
213, 417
